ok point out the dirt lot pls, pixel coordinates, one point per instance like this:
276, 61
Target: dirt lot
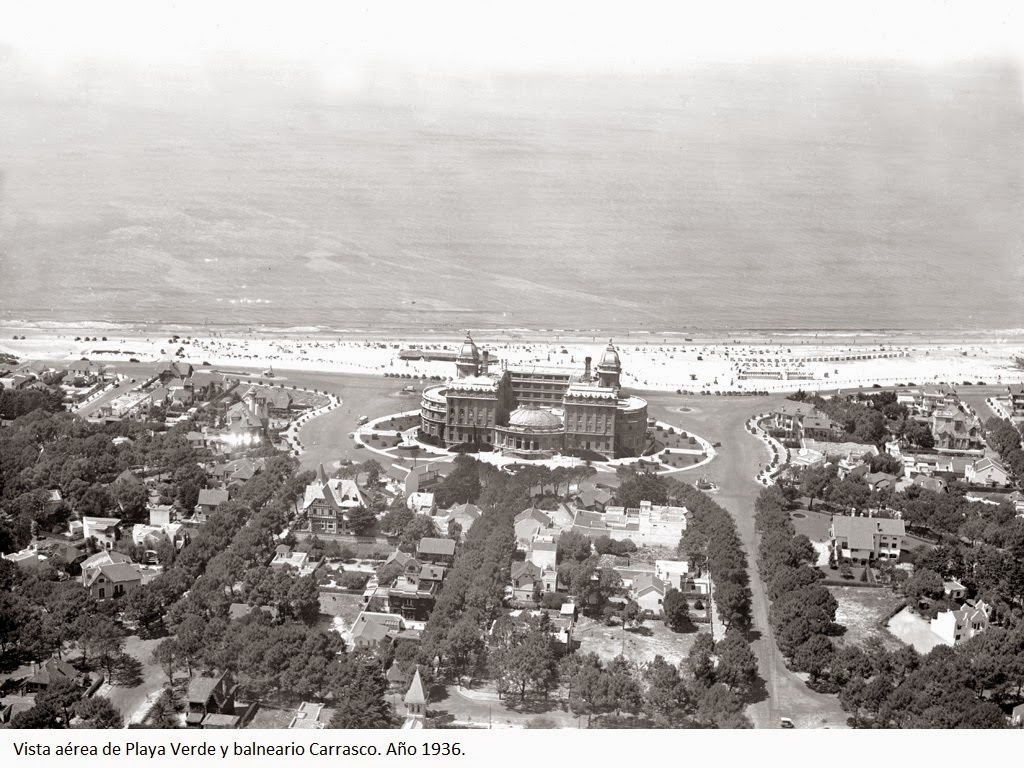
861, 611
640, 646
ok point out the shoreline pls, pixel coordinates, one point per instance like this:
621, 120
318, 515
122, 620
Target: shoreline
414, 333
682, 363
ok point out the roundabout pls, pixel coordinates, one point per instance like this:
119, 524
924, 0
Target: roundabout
396, 437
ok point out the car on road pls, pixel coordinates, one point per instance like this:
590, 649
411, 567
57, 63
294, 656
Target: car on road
785, 722
363, 420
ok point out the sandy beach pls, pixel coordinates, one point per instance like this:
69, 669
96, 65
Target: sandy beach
773, 361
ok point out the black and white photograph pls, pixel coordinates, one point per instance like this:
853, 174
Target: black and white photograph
457, 366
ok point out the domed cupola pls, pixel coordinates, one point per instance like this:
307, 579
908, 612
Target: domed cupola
468, 361
610, 368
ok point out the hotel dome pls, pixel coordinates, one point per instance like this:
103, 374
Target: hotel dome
533, 419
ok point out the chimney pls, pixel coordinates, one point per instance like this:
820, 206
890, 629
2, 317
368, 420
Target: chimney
586, 367
485, 360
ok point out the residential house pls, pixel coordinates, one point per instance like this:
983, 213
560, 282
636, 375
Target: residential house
526, 581
284, 557
244, 421
649, 592
528, 524
561, 623
370, 628
817, 428
788, 416
211, 702
863, 539
422, 477
162, 514
987, 472
956, 431
463, 514
955, 627
954, 590
676, 575
152, 536
209, 500
328, 502
1017, 715
1016, 400
206, 384
592, 497
176, 369
105, 530
436, 551
28, 559
422, 503
542, 550
880, 481
111, 581
411, 598
50, 671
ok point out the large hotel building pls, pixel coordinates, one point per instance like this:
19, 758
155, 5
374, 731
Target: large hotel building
534, 412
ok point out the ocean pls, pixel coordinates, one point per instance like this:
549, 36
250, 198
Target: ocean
805, 195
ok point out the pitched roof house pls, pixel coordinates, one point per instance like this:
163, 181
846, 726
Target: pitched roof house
867, 538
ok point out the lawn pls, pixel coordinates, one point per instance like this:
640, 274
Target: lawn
861, 611
641, 646
814, 525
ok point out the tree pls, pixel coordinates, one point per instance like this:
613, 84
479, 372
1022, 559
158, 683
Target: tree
639, 487
142, 605
815, 480
737, 665
97, 712
530, 662
131, 497
721, 708
168, 656
733, 601
701, 659
461, 485
60, 695
397, 517
632, 614
418, 528
359, 696
574, 546
362, 521
924, 583
463, 646
39, 716
101, 638
814, 656
454, 530
667, 699
675, 611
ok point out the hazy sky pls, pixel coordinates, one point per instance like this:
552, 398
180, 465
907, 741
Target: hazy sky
341, 37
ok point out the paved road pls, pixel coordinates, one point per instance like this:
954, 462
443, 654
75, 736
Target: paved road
723, 420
